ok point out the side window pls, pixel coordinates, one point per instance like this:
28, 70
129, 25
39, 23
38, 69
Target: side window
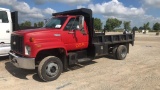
72, 24
3, 16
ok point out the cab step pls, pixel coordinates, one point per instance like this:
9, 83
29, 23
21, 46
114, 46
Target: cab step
84, 60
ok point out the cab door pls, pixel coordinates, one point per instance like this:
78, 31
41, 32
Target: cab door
68, 36
5, 27
82, 37
72, 36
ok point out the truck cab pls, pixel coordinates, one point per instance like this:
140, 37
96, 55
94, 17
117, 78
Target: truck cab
68, 38
6, 28
5, 31
69, 32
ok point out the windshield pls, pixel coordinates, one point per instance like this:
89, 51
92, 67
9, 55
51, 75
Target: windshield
3, 17
55, 22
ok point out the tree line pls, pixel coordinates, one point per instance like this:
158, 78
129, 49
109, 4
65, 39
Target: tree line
110, 25
28, 25
113, 23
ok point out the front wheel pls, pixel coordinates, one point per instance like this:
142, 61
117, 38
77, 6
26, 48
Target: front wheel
50, 68
121, 52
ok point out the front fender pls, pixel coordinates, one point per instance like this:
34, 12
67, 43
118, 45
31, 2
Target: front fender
45, 46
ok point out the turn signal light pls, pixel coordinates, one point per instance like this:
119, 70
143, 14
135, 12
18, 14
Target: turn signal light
31, 39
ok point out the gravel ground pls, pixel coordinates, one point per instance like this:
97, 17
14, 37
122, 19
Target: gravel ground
139, 71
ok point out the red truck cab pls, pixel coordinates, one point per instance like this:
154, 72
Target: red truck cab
57, 33
67, 38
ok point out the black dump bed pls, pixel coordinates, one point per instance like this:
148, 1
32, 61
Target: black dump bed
114, 39
14, 16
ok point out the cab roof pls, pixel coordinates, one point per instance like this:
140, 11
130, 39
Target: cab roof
83, 11
4, 9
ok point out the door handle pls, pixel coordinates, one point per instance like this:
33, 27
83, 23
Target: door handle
71, 32
7, 31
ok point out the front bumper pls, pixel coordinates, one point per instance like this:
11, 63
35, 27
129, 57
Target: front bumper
22, 62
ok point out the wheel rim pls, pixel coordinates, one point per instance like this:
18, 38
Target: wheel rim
123, 54
52, 69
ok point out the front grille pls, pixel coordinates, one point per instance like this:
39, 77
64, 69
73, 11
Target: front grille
17, 43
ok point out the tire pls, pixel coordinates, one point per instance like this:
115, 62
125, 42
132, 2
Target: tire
121, 52
50, 68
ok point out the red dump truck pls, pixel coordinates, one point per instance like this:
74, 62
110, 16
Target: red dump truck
67, 38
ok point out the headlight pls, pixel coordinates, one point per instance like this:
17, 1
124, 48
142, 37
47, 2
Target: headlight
27, 50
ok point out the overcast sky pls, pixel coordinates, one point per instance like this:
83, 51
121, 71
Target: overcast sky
136, 11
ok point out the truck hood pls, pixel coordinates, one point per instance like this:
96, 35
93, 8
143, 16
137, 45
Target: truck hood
40, 34
27, 31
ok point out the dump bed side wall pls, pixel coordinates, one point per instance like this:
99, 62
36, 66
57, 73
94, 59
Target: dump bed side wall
112, 39
102, 43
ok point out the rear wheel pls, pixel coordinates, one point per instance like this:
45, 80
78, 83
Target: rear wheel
121, 52
50, 68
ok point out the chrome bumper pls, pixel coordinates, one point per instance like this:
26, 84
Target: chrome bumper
25, 63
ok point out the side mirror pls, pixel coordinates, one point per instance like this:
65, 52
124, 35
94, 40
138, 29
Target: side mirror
0, 20
81, 22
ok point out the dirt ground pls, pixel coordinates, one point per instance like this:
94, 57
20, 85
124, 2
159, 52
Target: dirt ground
139, 71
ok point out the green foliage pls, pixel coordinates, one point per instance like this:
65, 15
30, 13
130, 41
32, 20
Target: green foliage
135, 28
146, 26
127, 25
97, 24
40, 24
141, 28
112, 23
35, 25
29, 24
26, 24
156, 26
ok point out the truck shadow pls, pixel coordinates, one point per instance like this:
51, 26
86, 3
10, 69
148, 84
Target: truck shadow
70, 68
18, 73
22, 74
4, 58
110, 57
107, 57
81, 65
